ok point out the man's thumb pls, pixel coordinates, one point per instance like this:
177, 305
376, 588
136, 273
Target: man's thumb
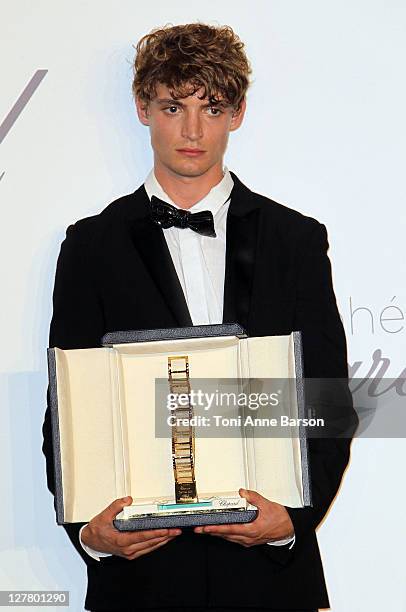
252, 497
116, 506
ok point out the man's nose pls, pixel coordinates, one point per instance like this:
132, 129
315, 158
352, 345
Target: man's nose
192, 128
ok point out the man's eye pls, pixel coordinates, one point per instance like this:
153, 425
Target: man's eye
172, 109
214, 111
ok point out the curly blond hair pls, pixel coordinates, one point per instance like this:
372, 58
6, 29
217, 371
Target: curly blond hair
188, 57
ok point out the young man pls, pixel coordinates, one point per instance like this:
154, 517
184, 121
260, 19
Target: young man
144, 262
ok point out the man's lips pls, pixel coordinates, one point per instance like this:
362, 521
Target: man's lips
191, 152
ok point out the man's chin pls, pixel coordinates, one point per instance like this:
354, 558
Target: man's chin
190, 170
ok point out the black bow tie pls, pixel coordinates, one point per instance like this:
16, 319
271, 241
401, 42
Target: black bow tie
166, 215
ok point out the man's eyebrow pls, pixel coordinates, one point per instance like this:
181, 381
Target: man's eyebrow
168, 101
174, 102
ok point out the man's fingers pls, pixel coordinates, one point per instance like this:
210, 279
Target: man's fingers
128, 538
244, 529
135, 550
146, 544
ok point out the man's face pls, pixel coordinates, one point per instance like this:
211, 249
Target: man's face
188, 135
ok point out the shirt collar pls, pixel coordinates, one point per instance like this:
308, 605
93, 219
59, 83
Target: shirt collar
213, 201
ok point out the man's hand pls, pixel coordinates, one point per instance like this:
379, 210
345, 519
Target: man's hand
272, 523
101, 535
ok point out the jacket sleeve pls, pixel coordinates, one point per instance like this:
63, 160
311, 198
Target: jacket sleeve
77, 322
326, 374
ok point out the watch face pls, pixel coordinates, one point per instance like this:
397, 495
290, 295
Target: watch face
185, 492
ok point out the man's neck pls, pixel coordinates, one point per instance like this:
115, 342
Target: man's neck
186, 191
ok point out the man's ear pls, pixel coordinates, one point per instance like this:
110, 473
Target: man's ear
238, 116
142, 110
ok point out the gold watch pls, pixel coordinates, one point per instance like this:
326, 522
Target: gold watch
183, 438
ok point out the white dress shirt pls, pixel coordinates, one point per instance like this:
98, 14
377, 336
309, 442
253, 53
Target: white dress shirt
200, 265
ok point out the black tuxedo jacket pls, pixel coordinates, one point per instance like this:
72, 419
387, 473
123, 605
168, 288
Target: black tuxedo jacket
115, 272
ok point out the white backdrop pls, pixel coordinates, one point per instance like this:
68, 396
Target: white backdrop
324, 133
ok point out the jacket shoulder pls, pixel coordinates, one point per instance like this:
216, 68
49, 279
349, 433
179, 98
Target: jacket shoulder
286, 220
279, 215
120, 208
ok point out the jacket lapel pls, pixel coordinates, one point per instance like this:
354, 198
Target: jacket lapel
149, 240
241, 248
